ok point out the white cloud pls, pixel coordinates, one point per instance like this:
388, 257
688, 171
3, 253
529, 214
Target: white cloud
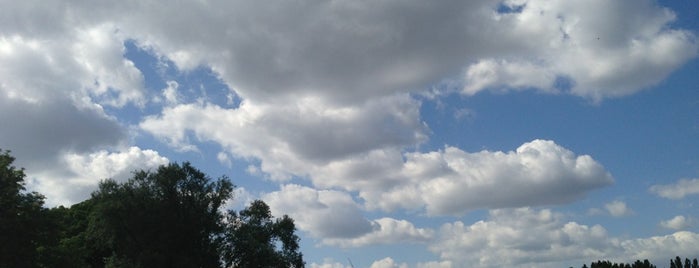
337, 220
370, 50
387, 263
296, 137
82, 172
453, 181
503, 75
660, 247
355, 51
678, 222
521, 237
618, 208
602, 52
324, 214
53, 86
386, 231
677, 190
358, 148
541, 238
325, 85
435, 264
170, 93
329, 263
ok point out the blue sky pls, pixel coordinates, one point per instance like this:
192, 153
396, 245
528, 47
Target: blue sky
396, 133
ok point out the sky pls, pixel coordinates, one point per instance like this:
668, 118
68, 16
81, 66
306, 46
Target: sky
487, 133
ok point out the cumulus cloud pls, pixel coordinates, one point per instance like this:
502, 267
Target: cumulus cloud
435, 264
329, 263
453, 181
327, 84
677, 190
337, 220
354, 51
324, 214
681, 243
83, 172
393, 46
295, 137
386, 231
359, 149
521, 236
618, 209
542, 238
387, 262
677, 223
53, 90
601, 52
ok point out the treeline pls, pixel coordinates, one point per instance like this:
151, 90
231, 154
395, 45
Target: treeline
168, 218
674, 263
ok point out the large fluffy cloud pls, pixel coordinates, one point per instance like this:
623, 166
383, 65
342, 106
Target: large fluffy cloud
541, 238
324, 214
336, 219
453, 181
79, 174
359, 148
590, 45
341, 69
346, 51
292, 138
53, 91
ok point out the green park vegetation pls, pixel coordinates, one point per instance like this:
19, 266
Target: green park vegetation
674, 263
173, 217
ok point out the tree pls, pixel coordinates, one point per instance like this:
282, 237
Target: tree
169, 218
253, 239
21, 217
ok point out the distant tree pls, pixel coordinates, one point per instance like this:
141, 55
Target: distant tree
168, 218
254, 237
608, 264
22, 217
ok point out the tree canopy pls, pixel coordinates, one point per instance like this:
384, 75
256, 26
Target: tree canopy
21, 217
254, 232
172, 217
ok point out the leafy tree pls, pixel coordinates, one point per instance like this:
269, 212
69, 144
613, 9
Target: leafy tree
608, 264
254, 237
22, 221
169, 218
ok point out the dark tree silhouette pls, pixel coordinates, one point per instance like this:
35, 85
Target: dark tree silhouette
253, 237
169, 218
22, 220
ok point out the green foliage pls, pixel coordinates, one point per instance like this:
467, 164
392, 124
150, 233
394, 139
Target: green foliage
674, 263
22, 221
677, 263
253, 239
169, 218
